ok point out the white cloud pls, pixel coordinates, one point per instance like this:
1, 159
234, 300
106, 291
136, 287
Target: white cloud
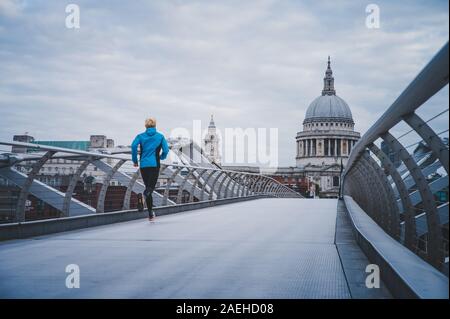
11, 8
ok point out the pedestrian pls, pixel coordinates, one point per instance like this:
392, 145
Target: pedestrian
153, 148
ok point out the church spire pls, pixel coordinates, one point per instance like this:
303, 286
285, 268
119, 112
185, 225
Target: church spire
328, 81
211, 122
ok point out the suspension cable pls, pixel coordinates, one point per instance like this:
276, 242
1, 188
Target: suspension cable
429, 120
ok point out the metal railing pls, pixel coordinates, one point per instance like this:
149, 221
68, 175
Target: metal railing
402, 198
75, 192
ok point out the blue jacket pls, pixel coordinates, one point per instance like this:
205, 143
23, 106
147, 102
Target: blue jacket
151, 142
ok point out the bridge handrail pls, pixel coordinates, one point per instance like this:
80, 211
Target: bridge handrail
427, 83
216, 184
373, 181
29, 156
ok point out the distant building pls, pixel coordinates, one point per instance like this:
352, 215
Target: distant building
323, 145
328, 129
211, 143
74, 145
60, 166
109, 143
98, 141
23, 139
393, 156
95, 142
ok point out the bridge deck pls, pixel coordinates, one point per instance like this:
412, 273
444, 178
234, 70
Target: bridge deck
267, 248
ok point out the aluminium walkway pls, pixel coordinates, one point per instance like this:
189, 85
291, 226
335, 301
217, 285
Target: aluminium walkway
266, 248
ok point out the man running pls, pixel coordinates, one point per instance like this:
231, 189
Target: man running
151, 143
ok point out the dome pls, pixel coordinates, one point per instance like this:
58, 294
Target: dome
328, 107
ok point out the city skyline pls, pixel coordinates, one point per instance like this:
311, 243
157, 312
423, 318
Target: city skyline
251, 65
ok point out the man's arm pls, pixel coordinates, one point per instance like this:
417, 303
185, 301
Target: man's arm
134, 150
165, 148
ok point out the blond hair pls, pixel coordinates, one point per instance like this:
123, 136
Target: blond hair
150, 122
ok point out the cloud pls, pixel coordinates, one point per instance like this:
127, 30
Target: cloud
11, 8
252, 64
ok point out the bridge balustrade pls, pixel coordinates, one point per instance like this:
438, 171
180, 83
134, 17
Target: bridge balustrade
82, 182
401, 183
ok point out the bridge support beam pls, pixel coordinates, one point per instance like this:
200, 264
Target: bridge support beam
104, 189
169, 183
435, 254
237, 182
206, 183
182, 186
408, 209
388, 197
228, 186
47, 194
430, 137
127, 197
214, 184
227, 179
20, 208
73, 183
196, 183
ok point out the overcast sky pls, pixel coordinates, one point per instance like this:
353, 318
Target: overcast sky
251, 63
